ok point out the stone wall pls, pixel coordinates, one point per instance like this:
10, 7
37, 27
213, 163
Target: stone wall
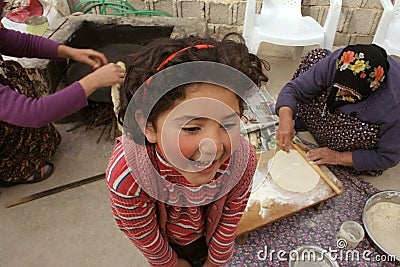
358, 19
357, 22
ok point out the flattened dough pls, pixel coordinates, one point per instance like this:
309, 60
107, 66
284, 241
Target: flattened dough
292, 172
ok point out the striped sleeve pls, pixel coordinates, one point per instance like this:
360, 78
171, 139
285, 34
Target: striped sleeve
135, 212
222, 242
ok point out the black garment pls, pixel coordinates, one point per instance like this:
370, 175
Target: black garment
195, 253
23, 151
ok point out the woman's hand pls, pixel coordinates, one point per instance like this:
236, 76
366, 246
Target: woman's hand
326, 155
90, 57
285, 132
104, 76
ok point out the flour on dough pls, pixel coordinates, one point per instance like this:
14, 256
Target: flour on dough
292, 172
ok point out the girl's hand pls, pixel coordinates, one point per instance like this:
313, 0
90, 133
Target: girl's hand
90, 57
285, 132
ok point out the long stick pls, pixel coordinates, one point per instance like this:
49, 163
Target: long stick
54, 190
318, 170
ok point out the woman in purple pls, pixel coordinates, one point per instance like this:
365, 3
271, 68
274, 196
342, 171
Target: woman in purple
28, 140
349, 100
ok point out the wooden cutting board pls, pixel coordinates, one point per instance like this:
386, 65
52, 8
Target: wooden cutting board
285, 203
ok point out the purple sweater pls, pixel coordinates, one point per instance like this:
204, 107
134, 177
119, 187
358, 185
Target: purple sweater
20, 110
382, 108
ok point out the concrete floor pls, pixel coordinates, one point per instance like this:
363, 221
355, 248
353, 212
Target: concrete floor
75, 227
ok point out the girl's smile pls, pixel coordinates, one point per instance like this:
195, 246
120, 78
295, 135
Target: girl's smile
204, 167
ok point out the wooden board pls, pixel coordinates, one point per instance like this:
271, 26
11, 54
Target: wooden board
285, 203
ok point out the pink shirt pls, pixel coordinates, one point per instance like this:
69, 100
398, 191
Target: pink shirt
150, 224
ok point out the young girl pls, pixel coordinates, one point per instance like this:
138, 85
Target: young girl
180, 176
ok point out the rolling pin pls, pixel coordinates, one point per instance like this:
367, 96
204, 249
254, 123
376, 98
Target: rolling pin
318, 170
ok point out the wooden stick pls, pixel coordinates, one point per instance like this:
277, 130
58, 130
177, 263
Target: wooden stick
54, 190
318, 170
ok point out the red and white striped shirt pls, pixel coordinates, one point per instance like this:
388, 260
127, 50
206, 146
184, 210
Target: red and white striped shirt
136, 214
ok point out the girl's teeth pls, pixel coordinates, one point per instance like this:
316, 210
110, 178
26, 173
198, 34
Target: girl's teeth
201, 165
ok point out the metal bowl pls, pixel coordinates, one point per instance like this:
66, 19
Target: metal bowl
384, 196
310, 256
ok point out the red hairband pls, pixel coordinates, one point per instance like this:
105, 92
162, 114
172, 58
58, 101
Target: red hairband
172, 56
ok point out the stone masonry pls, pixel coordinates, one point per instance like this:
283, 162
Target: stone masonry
357, 22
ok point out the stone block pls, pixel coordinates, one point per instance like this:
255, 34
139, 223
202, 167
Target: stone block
225, 29
220, 13
139, 4
361, 39
190, 9
344, 19
352, 3
241, 8
314, 12
372, 4
361, 21
315, 3
341, 39
166, 6
212, 29
219, 31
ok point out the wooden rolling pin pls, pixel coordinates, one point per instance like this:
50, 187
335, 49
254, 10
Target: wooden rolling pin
318, 170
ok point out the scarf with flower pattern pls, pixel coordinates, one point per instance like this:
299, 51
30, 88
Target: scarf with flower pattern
360, 71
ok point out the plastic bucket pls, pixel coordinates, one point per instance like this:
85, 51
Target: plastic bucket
36, 25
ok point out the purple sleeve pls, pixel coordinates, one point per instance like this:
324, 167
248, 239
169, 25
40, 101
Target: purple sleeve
387, 154
23, 111
17, 44
383, 109
308, 85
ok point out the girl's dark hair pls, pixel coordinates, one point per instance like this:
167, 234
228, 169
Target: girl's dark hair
231, 51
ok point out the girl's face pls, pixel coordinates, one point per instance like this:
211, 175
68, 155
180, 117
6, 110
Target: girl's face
199, 132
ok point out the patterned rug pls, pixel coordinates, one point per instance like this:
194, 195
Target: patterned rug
272, 244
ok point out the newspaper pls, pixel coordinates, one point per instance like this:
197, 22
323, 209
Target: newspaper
260, 120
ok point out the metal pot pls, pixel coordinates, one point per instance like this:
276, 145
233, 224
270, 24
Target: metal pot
384, 196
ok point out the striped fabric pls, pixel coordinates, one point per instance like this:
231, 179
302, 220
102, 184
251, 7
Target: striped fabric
137, 215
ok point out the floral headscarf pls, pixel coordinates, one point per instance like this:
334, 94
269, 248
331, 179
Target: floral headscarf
360, 71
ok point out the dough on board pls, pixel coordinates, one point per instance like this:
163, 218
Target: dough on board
292, 172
